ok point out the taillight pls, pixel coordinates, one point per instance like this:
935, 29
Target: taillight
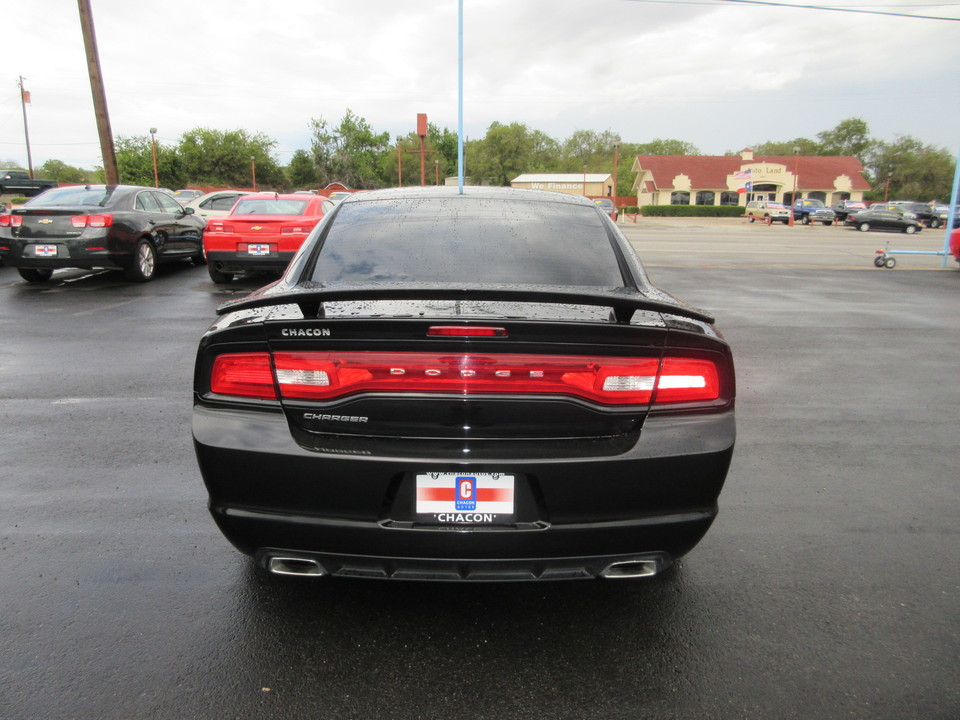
11, 220
97, 221
687, 380
243, 375
295, 229
214, 226
604, 380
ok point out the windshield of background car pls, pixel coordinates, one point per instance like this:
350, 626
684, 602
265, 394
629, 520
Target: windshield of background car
270, 206
73, 196
813, 203
469, 240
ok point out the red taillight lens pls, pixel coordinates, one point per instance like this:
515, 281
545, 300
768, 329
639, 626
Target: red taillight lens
219, 227
97, 221
604, 380
687, 380
11, 220
244, 375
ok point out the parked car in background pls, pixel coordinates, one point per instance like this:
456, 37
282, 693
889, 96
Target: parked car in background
808, 211
18, 182
883, 219
339, 195
261, 232
119, 227
185, 196
467, 387
845, 207
217, 203
606, 204
924, 213
767, 211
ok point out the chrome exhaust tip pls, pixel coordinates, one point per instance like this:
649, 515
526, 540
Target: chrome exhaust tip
300, 567
631, 569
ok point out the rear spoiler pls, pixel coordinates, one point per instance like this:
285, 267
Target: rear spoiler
624, 304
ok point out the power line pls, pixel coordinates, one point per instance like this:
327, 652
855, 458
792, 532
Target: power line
825, 8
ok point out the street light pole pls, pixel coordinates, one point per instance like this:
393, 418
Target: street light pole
153, 140
796, 172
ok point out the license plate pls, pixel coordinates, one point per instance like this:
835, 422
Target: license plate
258, 249
45, 250
465, 498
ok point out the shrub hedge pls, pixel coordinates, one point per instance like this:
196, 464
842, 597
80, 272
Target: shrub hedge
691, 211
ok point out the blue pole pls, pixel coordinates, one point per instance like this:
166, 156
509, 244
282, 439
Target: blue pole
460, 101
952, 215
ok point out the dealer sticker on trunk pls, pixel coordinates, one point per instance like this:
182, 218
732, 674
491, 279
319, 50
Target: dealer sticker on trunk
467, 498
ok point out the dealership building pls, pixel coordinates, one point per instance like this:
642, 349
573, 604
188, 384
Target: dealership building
737, 179
589, 184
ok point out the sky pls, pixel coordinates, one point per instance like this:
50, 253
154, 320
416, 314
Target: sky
721, 76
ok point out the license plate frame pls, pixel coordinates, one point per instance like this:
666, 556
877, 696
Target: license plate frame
45, 250
258, 249
465, 498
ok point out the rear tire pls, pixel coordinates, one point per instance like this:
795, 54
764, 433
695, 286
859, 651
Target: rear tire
805, 220
863, 227
910, 229
934, 223
221, 278
828, 222
34, 275
890, 263
144, 265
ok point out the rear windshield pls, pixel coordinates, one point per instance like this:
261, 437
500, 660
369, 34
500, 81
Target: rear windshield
72, 196
470, 240
270, 206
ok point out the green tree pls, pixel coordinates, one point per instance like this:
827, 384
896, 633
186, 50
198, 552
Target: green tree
301, 172
797, 146
135, 162
665, 146
588, 149
850, 137
913, 170
216, 158
658, 146
441, 158
507, 151
61, 172
350, 153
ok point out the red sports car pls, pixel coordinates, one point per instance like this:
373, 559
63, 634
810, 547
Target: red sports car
955, 244
262, 232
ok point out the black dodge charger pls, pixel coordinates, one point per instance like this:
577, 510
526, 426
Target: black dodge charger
476, 385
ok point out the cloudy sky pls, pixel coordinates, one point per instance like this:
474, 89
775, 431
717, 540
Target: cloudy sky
720, 75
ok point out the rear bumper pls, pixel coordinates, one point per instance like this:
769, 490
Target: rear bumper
352, 513
70, 253
233, 261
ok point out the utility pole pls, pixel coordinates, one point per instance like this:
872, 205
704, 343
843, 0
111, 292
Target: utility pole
24, 99
99, 96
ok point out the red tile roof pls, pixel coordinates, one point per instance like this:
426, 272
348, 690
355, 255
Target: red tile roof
711, 172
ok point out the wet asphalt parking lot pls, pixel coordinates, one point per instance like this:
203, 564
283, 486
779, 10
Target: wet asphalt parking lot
827, 588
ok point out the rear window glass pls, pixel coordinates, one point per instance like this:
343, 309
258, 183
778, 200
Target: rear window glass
270, 206
70, 196
470, 240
